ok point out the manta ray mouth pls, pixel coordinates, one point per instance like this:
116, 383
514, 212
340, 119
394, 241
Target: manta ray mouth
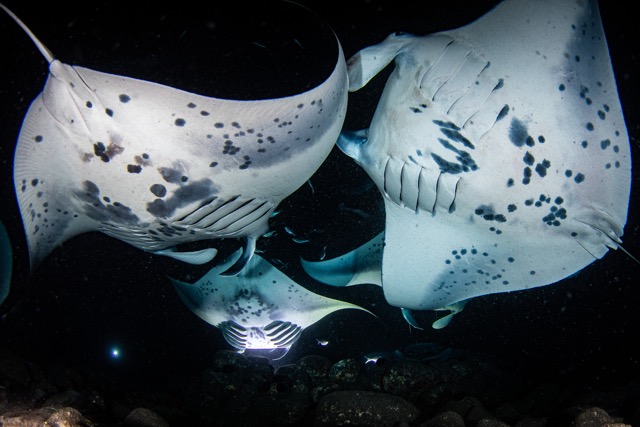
277, 334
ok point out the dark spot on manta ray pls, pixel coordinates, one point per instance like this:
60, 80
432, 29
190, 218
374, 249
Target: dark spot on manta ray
191, 105
589, 126
134, 168
213, 164
219, 125
204, 113
109, 112
38, 138
561, 87
107, 153
142, 160
170, 175
89, 104
518, 132
528, 159
96, 210
183, 196
124, 98
579, 178
541, 168
34, 182
604, 144
180, 122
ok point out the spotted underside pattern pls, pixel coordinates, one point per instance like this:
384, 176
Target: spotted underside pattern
155, 166
500, 149
260, 308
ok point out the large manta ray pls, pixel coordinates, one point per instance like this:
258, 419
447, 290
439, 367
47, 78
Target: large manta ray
155, 166
501, 152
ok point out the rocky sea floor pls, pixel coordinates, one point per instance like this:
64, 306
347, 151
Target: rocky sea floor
469, 389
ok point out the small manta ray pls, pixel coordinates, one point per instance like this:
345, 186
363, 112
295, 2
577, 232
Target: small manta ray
501, 152
259, 309
155, 166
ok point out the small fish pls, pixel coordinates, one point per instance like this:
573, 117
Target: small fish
322, 343
323, 253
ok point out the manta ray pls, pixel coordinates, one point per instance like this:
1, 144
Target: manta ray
260, 309
155, 166
500, 150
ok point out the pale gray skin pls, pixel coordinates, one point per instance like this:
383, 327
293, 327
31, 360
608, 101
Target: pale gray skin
258, 309
501, 152
156, 167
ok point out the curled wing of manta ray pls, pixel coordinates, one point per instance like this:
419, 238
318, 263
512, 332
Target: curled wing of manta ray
156, 167
500, 149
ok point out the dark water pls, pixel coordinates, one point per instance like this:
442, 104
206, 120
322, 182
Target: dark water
95, 293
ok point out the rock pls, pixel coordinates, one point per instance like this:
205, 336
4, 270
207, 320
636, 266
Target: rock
507, 412
595, 417
46, 416
445, 419
228, 361
289, 379
317, 367
323, 389
143, 417
364, 408
67, 417
282, 410
533, 422
344, 372
491, 422
407, 377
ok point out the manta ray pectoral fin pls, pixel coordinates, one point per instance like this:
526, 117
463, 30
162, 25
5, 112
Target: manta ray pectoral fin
334, 272
364, 65
444, 321
194, 257
360, 266
247, 252
408, 316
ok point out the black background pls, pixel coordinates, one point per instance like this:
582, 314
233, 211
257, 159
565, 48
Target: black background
94, 292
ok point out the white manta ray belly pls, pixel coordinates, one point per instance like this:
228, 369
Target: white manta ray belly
156, 166
500, 149
260, 308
